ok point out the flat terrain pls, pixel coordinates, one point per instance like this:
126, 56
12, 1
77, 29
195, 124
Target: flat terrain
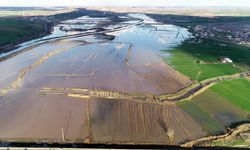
185, 11
200, 59
207, 123
186, 64
32, 11
61, 72
236, 92
222, 106
121, 78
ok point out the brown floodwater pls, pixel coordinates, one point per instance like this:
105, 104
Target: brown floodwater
130, 63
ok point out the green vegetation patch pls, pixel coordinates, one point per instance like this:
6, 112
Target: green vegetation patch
202, 118
13, 30
235, 91
201, 60
189, 65
211, 51
220, 109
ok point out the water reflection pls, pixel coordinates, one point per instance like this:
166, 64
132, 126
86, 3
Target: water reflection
128, 63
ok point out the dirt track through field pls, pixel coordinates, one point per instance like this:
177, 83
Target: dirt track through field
162, 99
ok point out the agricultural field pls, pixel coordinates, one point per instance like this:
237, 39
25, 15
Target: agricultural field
186, 64
124, 121
219, 108
222, 106
235, 91
117, 78
201, 117
210, 51
200, 60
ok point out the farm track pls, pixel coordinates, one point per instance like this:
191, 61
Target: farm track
186, 93
230, 135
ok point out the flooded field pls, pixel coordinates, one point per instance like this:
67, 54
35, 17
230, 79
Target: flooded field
64, 87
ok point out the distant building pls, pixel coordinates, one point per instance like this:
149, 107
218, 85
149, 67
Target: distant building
226, 60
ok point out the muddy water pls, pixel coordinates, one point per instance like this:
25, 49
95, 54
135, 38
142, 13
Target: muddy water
130, 63
26, 118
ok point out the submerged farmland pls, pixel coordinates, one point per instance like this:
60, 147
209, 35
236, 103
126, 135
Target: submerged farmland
105, 80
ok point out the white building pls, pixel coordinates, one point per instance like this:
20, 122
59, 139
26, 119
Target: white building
226, 60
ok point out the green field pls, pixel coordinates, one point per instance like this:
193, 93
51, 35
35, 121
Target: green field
188, 65
13, 30
202, 118
200, 60
209, 50
224, 104
219, 108
235, 91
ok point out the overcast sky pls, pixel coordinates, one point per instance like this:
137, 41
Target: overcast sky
163, 3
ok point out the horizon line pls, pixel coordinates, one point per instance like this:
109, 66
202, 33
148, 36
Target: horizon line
42, 6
